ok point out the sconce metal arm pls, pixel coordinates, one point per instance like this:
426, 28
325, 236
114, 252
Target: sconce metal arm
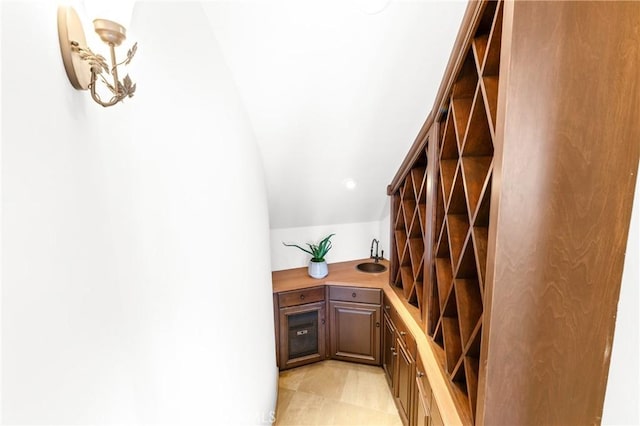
99, 67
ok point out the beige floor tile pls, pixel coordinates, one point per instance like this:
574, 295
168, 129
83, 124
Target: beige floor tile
344, 414
324, 379
303, 409
290, 379
365, 367
343, 365
368, 389
335, 393
284, 398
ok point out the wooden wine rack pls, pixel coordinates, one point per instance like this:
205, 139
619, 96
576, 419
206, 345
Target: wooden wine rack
447, 287
510, 212
409, 227
463, 205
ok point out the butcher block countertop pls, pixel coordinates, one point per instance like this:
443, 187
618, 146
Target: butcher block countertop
342, 273
345, 273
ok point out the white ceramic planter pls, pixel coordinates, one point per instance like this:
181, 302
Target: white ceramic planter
318, 269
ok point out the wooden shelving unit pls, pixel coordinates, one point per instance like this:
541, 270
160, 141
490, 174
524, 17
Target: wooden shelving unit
409, 226
447, 287
510, 212
464, 182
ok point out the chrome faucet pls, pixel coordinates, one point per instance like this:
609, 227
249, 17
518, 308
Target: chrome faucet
376, 258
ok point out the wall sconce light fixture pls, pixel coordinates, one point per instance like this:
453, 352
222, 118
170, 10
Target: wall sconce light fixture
86, 69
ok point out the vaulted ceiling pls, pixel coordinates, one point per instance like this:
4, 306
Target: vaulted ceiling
336, 92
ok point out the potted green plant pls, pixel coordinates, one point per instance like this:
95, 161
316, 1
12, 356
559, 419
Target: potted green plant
317, 265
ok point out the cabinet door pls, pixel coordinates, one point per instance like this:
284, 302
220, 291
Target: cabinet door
403, 381
422, 419
354, 330
436, 419
421, 400
302, 333
388, 348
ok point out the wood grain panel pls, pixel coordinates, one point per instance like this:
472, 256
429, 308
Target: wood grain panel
355, 331
300, 297
355, 294
566, 158
341, 273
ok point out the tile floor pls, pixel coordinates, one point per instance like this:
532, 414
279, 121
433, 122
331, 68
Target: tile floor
335, 393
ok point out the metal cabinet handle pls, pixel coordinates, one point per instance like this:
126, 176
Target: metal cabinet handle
323, 320
302, 297
377, 325
353, 294
387, 307
419, 374
403, 333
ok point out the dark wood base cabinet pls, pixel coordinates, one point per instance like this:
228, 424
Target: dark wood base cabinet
354, 324
388, 347
403, 383
350, 331
426, 412
399, 363
354, 330
301, 327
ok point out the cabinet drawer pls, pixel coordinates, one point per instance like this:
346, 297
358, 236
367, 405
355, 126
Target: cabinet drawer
355, 294
405, 337
299, 297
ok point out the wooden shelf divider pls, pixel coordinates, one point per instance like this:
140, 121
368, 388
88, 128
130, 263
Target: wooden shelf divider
466, 267
452, 346
479, 46
469, 306
461, 113
478, 141
475, 170
458, 227
471, 368
444, 278
480, 236
489, 88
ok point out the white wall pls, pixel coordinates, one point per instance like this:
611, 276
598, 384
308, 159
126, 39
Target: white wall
126, 293
622, 399
352, 241
385, 228
334, 93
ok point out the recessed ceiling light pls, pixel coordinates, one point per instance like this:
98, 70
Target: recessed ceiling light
350, 184
372, 7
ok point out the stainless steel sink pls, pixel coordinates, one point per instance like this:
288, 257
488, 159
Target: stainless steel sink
371, 267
